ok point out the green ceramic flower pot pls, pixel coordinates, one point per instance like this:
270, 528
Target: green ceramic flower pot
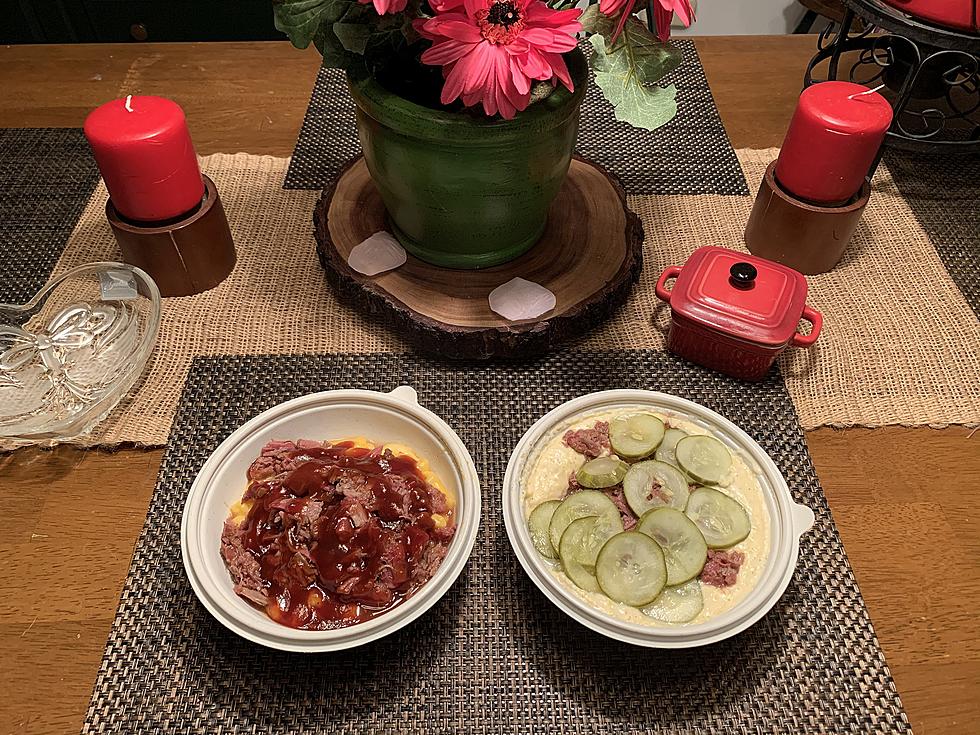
461, 190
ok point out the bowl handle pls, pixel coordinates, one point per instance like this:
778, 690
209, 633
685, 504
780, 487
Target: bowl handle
661, 288
816, 319
405, 394
803, 519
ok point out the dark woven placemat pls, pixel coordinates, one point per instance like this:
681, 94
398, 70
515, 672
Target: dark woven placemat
689, 155
494, 655
46, 178
944, 193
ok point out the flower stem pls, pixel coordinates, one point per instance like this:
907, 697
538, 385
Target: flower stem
627, 12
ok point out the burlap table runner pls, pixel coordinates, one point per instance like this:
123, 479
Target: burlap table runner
493, 656
900, 343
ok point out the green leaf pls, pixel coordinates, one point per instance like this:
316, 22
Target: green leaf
628, 72
353, 36
595, 22
301, 20
335, 56
651, 58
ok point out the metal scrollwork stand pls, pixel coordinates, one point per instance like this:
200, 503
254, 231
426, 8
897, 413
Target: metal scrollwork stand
931, 75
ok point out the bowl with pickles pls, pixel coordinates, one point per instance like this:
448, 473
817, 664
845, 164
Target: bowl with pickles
651, 519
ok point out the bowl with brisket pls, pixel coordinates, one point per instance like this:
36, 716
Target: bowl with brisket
331, 520
651, 519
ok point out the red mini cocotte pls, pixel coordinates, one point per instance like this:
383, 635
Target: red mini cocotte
735, 313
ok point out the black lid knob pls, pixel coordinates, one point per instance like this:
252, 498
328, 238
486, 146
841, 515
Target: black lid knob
742, 275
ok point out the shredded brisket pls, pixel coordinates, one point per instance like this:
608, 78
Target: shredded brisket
721, 569
356, 528
592, 442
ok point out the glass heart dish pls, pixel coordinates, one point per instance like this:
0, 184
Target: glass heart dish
72, 352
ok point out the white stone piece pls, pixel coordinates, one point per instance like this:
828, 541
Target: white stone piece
379, 253
519, 299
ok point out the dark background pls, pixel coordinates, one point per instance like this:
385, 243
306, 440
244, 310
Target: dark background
81, 21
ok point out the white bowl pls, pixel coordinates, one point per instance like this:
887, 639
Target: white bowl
789, 521
381, 417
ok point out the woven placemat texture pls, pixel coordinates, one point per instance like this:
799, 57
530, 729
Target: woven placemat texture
46, 178
689, 155
900, 344
944, 194
494, 655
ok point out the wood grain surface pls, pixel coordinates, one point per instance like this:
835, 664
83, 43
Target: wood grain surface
904, 499
590, 257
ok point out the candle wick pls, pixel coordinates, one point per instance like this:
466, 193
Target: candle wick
129, 103
867, 91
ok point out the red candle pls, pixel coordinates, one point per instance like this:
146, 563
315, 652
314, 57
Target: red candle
832, 141
145, 154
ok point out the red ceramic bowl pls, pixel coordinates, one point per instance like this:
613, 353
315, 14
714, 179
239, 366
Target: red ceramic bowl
735, 313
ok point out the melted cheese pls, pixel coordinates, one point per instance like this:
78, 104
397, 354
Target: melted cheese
545, 477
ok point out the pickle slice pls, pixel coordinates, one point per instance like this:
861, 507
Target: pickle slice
704, 458
655, 484
630, 569
685, 550
580, 546
538, 523
636, 436
665, 452
580, 505
573, 551
721, 519
680, 604
602, 472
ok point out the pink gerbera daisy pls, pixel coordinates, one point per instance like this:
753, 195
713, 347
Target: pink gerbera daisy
386, 6
441, 6
663, 14
491, 50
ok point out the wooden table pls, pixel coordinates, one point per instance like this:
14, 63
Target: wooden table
903, 498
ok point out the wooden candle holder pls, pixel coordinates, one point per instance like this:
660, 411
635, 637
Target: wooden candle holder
184, 257
806, 237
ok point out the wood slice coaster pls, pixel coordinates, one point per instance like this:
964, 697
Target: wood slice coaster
590, 257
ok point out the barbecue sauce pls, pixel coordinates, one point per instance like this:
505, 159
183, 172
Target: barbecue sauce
356, 558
